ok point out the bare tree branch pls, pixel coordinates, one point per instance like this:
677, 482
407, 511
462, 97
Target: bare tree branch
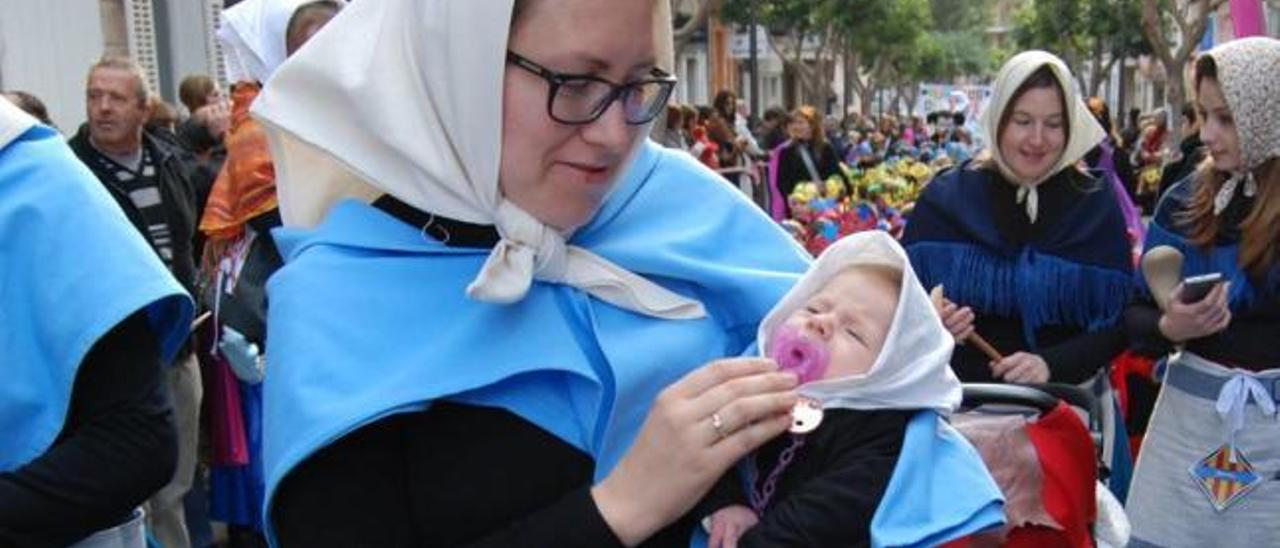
1152, 29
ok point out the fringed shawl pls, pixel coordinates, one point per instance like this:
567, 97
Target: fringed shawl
1078, 273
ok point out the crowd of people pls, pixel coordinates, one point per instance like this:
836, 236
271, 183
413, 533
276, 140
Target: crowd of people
517, 298
175, 429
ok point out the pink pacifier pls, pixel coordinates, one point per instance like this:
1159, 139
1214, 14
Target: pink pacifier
798, 353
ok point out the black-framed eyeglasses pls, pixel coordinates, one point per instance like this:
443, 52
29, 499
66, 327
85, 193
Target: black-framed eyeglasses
582, 98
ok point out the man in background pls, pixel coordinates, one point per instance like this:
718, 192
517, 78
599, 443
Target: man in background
151, 182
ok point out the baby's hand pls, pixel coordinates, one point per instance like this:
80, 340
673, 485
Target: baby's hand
728, 524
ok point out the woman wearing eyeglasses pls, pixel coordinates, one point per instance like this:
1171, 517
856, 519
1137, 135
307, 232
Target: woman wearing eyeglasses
504, 312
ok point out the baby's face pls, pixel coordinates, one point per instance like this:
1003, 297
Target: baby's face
851, 315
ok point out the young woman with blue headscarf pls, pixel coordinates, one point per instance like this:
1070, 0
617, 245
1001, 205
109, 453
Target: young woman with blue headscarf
498, 296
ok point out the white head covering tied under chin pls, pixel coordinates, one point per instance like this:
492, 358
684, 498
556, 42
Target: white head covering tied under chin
1084, 131
913, 370
404, 97
253, 37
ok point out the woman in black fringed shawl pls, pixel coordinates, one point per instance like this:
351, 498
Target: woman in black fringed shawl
1032, 252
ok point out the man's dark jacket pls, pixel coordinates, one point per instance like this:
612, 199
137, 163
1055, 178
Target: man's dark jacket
175, 175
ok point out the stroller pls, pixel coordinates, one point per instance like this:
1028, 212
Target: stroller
1044, 447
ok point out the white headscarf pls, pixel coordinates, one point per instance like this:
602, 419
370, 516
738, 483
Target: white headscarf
1084, 131
913, 370
404, 97
13, 122
253, 37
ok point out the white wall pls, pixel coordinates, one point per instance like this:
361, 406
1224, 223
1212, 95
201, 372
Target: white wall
47, 47
188, 49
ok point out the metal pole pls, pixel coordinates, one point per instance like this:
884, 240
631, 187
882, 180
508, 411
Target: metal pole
752, 61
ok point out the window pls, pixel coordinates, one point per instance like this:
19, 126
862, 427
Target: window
690, 79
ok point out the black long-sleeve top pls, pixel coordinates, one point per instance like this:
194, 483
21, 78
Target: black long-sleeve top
117, 447
792, 169
1249, 341
1072, 353
831, 489
453, 475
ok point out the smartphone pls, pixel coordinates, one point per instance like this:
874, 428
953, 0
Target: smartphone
1197, 287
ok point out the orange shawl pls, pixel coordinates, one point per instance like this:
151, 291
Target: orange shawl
246, 186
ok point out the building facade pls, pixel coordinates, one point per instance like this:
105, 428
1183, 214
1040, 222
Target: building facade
47, 46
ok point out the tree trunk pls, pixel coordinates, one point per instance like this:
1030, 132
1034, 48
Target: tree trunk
817, 86
683, 35
868, 97
846, 60
1121, 112
1175, 94
1096, 73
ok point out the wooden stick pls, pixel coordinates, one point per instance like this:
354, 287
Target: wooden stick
984, 346
938, 296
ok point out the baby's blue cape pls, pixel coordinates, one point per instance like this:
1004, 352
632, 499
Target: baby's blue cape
940, 490
368, 318
71, 268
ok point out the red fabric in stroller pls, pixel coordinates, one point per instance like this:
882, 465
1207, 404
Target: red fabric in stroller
1068, 464
1067, 458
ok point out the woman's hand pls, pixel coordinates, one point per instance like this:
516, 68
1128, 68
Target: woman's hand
1021, 368
697, 428
728, 524
957, 320
216, 116
1182, 322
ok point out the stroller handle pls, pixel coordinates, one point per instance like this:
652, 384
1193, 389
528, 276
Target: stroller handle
976, 394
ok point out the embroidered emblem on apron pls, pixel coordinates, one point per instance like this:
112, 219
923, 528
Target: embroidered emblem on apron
1223, 481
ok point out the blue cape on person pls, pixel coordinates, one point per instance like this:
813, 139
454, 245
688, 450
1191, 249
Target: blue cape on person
940, 490
72, 267
1079, 274
1223, 257
368, 318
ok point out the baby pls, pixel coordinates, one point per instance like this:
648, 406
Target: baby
871, 353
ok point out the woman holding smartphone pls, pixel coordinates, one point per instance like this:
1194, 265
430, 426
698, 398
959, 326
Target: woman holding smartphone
1207, 471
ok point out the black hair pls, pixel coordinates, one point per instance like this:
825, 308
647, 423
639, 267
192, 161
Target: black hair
1189, 111
726, 103
30, 104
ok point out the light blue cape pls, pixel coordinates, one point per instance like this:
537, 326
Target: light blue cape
940, 490
71, 268
368, 318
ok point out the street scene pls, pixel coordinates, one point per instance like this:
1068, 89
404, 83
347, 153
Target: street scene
598, 273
